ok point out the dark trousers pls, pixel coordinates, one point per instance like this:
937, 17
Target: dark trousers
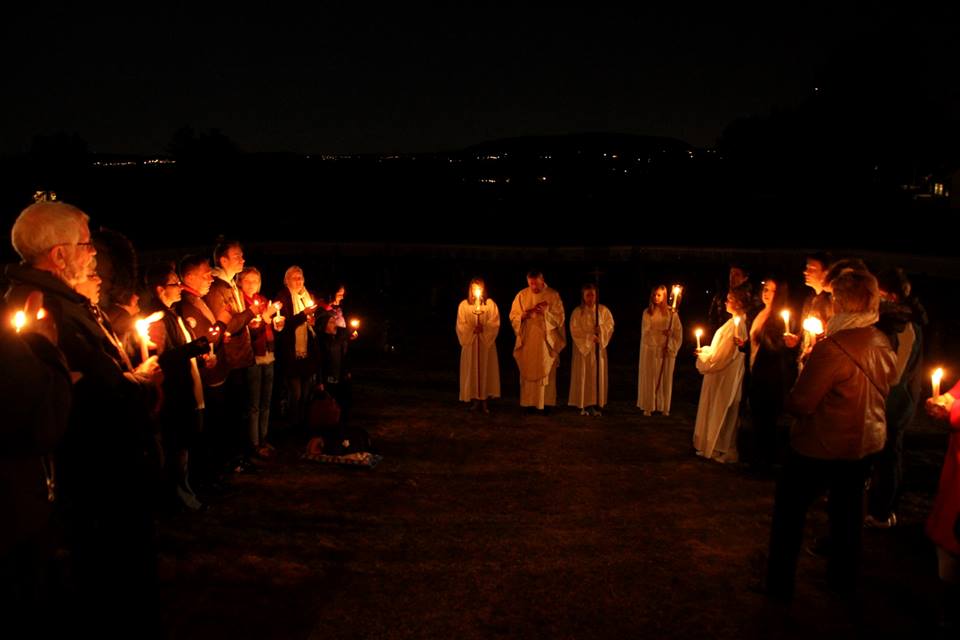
342, 392
802, 481
887, 482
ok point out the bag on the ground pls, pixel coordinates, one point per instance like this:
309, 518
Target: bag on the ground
323, 411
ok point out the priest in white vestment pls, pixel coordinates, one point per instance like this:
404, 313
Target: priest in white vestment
587, 335
539, 323
478, 323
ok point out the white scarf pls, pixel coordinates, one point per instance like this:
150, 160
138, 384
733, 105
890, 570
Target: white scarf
842, 320
300, 334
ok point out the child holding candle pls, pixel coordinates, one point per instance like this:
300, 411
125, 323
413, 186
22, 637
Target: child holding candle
722, 366
660, 339
478, 323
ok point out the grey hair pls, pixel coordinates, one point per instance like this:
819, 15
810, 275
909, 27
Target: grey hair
43, 225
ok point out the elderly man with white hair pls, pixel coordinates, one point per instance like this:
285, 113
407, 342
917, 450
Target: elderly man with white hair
99, 471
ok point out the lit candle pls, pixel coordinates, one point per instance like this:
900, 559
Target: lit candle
785, 314
19, 320
698, 333
143, 330
214, 332
813, 325
676, 295
736, 325
477, 293
936, 377
355, 323
278, 306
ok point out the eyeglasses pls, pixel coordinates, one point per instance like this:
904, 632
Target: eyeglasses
173, 284
88, 245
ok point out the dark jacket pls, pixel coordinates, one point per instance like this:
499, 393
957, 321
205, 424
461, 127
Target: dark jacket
191, 309
35, 395
285, 344
234, 316
839, 398
108, 426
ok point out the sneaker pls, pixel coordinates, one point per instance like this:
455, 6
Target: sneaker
875, 523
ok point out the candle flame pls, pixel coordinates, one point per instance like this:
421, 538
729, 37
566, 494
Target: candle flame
813, 325
937, 375
698, 333
143, 324
41, 313
736, 321
355, 323
19, 320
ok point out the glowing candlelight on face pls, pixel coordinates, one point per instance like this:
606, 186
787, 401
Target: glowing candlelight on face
698, 333
936, 378
676, 295
813, 325
19, 320
785, 314
143, 330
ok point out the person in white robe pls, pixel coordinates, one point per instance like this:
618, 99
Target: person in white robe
660, 339
538, 321
587, 335
478, 323
722, 365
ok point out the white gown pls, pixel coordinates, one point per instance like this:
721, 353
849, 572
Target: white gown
583, 372
722, 366
479, 368
655, 384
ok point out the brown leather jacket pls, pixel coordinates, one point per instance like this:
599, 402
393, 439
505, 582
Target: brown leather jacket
234, 316
840, 396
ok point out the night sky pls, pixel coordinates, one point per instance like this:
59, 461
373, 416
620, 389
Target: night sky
360, 80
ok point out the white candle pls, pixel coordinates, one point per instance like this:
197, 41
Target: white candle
785, 314
698, 333
676, 295
143, 330
936, 377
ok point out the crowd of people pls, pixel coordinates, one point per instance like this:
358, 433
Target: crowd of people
823, 401
134, 392
123, 383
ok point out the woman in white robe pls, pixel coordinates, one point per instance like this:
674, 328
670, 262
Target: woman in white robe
478, 323
659, 342
722, 365
587, 334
